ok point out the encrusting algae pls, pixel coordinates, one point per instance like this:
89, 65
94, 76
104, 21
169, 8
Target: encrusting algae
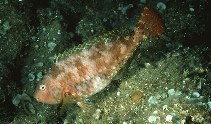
90, 67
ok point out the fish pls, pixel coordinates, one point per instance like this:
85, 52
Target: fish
85, 70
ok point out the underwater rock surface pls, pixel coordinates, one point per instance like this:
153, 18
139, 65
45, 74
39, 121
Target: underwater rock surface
166, 81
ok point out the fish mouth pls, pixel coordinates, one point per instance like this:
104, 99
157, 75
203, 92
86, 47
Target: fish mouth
45, 98
36, 96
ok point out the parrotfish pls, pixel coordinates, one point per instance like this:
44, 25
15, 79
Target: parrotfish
86, 69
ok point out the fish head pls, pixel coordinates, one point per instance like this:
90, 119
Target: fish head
49, 91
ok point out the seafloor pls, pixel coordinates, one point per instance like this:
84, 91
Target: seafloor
167, 81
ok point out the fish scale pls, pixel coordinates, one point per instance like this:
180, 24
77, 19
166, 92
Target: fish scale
86, 69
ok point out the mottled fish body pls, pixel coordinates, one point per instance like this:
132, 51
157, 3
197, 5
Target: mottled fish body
90, 67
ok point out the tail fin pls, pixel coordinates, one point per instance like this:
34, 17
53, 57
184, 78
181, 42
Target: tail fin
150, 23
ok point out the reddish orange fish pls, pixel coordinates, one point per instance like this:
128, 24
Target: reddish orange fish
90, 67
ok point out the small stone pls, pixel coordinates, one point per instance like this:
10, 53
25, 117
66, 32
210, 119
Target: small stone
148, 65
25, 97
152, 100
36, 46
124, 122
51, 46
97, 113
155, 112
66, 121
31, 76
169, 118
124, 9
16, 100
20, 97
136, 96
6, 26
178, 93
165, 107
143, 1
164, 95
34, 38
209, 105
51, 58
196, 94
191, 9
31, 108
161, 6
201, 104
118, 93
39, 76
40, 64
171, 92
199, 86
59, 32
152, 119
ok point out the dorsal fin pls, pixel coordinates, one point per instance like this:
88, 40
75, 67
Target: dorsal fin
92, 42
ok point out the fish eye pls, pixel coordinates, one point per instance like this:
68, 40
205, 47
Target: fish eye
42, 87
